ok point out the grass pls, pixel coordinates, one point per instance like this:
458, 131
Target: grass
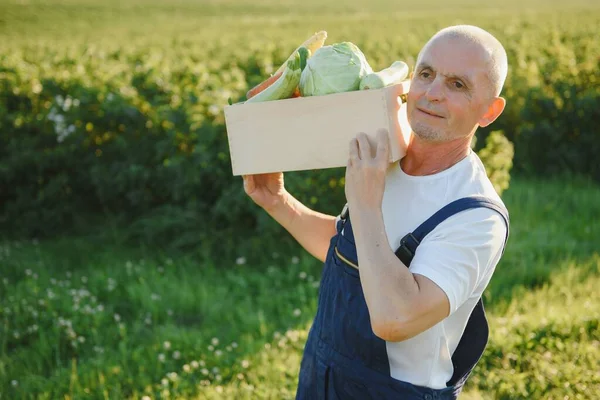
90, 320
87, 317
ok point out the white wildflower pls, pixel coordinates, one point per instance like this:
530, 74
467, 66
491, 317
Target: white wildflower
213, 109
172, 376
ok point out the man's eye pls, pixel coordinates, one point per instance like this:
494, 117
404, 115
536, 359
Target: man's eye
425, 74
458, 85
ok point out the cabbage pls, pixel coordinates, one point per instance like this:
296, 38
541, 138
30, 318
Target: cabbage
334, 69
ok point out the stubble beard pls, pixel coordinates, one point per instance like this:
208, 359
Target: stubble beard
428, 133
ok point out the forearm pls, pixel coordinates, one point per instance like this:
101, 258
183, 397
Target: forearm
389, 286
312, 229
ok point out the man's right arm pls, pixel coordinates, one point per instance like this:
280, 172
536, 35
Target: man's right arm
312, 229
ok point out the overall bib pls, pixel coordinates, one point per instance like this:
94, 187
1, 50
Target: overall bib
343, 359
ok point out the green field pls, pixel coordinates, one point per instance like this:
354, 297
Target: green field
110, 322
108, 314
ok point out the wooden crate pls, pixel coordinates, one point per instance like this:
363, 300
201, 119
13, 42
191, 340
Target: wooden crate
306, 133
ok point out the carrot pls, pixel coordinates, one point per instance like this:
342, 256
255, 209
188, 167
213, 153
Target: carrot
296, 93
263, 85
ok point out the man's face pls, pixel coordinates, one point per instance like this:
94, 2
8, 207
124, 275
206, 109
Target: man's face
449, 91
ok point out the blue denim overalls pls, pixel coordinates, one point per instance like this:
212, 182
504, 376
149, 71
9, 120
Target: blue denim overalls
343, 359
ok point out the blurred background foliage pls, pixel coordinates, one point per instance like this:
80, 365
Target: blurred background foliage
106, 122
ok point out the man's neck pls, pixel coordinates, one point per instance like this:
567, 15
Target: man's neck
427, 158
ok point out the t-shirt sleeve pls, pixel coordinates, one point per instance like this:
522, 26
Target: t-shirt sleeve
460, 252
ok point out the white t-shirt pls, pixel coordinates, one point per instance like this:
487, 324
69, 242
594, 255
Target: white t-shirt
459, 255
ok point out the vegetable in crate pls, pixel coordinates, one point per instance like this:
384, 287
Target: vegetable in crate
313, 43
334, 69
285, 86
394, 74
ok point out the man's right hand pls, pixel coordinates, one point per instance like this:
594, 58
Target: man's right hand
312, 229
266, 190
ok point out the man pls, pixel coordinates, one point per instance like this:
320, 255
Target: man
407, 324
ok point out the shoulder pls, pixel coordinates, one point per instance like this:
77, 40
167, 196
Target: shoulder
475, 225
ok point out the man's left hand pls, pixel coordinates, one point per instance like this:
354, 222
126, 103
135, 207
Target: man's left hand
366, 171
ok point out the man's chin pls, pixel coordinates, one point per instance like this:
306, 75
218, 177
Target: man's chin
427, 133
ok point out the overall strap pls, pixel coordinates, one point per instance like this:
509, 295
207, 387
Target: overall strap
410, 242
475, 336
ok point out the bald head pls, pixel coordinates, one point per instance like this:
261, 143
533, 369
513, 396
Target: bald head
493, 50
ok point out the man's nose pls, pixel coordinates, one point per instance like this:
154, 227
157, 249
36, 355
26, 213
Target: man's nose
435, 90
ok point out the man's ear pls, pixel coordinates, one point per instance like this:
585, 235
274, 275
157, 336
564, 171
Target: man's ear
494, 110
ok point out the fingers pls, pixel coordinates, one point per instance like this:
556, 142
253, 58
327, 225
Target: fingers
383, 145
364, 147
360, 147
248, 183
354, 152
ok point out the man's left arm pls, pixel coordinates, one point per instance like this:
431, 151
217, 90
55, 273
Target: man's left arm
449, 265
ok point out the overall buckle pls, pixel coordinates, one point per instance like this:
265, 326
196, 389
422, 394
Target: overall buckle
407, 249
345, 211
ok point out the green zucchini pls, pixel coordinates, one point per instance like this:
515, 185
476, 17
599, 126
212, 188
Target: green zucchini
284, 87
395, 73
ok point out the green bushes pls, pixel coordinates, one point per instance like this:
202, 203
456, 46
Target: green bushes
136, 134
